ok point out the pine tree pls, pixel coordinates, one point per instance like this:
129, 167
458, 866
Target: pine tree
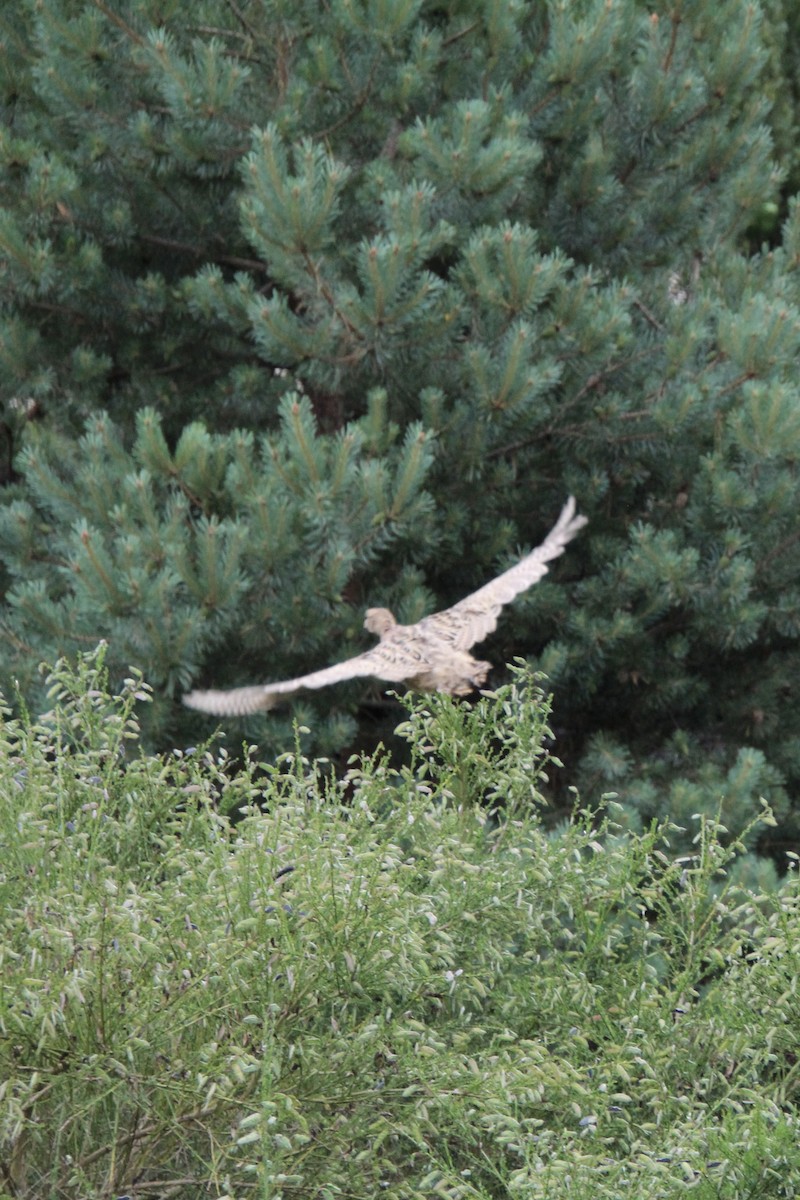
315, 309
781, 84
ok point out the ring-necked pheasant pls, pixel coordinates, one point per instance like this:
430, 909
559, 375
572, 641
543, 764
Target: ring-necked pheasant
430, 656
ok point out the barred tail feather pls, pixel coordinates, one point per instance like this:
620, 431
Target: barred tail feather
236, 703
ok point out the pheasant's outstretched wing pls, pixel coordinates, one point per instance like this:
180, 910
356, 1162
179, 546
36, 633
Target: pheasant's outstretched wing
394, 659
475, 617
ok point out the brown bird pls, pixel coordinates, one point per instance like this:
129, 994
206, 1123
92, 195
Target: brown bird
430, 656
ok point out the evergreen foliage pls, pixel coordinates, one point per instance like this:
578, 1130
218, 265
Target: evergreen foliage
292, 517
305, 309
782, 86
364, 987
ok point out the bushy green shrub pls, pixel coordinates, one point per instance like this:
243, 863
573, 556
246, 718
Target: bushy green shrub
393, 983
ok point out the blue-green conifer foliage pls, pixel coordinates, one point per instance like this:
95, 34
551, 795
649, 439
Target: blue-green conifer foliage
305, 308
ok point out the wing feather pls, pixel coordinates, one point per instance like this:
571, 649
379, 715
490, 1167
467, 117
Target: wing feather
475, 617
394, 659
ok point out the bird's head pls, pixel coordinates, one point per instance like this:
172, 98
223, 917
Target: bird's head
379, 621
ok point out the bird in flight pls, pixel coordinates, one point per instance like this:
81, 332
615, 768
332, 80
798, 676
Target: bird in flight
430, 656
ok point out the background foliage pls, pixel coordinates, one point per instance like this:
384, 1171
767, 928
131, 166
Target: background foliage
308, 308
364, 986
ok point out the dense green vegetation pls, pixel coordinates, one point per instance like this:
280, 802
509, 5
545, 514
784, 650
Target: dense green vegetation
304, 309
307, 307
392, 984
